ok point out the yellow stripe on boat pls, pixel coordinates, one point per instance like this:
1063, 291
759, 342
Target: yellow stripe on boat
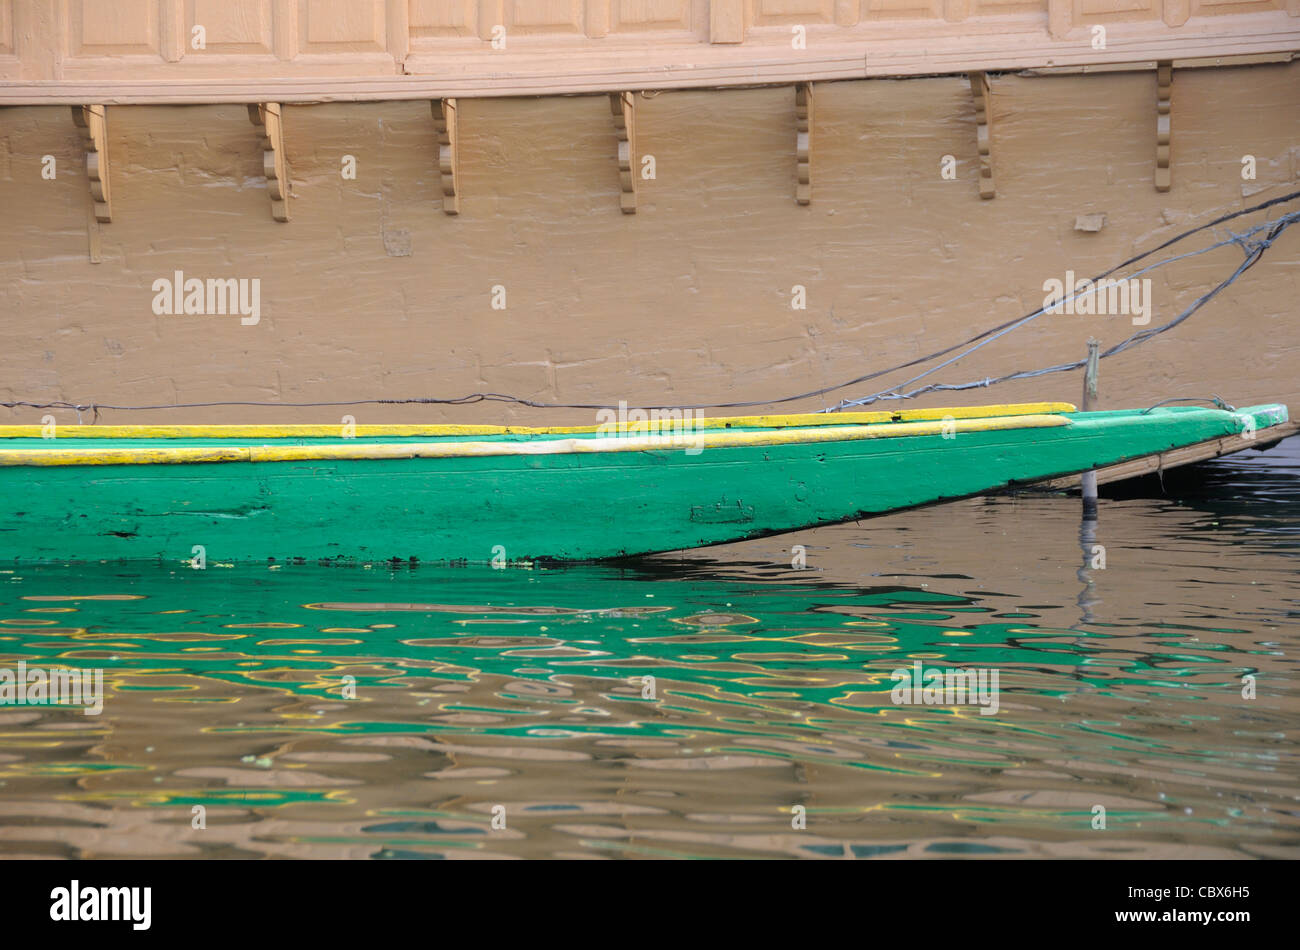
799, 420
170, 455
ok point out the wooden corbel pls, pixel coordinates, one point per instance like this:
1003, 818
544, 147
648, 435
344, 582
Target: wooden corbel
623, 107
1164, 90
93, 122
266, 116
444, 120
982, 94
803, 126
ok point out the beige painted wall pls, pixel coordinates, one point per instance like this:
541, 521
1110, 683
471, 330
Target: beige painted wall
686, 301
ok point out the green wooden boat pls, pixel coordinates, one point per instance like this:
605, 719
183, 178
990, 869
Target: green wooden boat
509, 494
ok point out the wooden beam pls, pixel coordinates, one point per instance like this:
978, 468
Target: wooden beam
1186, 455
93, 122
803, 124
982, 94
1164, 91
266, 116
1202, 62
445, 121
623, 107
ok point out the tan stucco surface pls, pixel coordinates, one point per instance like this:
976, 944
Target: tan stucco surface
370, 291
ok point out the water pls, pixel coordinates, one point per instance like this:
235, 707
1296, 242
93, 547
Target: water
520, 692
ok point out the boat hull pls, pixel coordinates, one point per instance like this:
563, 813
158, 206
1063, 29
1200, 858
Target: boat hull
541, 498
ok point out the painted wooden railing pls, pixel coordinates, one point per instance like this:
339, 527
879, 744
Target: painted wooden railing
157, 51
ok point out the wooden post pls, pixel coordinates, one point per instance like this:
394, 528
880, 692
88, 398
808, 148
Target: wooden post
1089, 478
1087, 598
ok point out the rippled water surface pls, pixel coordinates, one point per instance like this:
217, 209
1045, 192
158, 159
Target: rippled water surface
1119, 686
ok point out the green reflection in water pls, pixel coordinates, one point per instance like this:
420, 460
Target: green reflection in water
822, 644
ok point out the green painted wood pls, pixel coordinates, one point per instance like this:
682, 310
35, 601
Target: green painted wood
574, 506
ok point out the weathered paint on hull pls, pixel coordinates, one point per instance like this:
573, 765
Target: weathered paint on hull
574, 505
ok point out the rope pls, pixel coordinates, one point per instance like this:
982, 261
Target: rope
1255, 250
1213, 399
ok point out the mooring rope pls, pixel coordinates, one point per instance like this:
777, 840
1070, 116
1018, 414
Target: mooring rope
1253, 247
1254, 251
1214, 399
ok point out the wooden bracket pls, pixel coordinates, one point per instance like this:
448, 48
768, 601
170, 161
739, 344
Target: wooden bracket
1164, 90
982, 94
803, 127
266, 116
623, 107
93, 122
444, 120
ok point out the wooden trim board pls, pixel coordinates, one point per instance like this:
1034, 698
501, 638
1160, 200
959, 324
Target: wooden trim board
1200, 452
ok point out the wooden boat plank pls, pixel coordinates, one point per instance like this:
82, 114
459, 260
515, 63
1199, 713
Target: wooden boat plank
569, 499
762, 421
1187, 455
